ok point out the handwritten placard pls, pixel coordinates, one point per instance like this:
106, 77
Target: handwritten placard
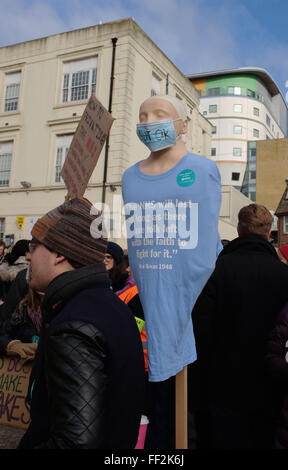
14, 381
86, 146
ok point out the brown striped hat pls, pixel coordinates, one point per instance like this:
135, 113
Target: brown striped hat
67, 230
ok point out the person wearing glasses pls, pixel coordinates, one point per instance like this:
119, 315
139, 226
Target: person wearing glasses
86, 387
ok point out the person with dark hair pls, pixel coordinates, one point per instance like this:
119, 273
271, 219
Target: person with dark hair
87, 382
13, 263
232, 320
19, 333
113, 259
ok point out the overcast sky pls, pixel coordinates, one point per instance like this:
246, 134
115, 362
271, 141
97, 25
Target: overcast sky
197, 35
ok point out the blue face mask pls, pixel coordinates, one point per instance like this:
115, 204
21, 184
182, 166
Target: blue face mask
157, 135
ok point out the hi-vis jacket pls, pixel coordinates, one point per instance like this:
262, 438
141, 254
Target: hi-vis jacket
131, 298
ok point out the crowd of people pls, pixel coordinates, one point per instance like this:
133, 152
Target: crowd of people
238, 391
108, 337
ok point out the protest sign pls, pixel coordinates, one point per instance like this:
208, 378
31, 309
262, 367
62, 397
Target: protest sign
14, 381
86, 146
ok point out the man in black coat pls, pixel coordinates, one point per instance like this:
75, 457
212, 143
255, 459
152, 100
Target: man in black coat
87, 383
232, 320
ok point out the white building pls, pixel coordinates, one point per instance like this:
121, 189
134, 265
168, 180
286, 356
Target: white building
243, 105
44, 87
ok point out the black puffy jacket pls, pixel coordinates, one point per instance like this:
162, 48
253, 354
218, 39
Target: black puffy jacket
87, 382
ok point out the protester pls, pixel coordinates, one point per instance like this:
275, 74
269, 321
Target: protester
130, 296
283, 253
171, 268
232, 319
17, 291
13, 263
113, 259
19, 334
87, 382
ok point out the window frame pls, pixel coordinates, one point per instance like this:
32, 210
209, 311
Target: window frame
256, 133
57, 178
12, 85
8, 153
2, 228
73, 79
214, 106
237, 154
237, 104
237, 126
285, 224
235, 173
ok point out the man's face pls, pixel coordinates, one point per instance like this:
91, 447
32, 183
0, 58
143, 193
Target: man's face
42, 266
157, 109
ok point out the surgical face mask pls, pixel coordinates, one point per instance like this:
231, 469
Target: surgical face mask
158, 135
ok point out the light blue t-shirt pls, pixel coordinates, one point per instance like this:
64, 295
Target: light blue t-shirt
173, 243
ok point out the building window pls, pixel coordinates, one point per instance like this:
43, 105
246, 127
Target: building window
213, 91
213, 108
237, 129
214, 129
62, 147
253, 174
268, 120
256, 111
235, 176
255, 133
156, 85
2, 228
234, 90
250, 93
79, 79
12, 91
5, 162
252, 195
237, 108
285, 223
204, 113
237, 152
213, 151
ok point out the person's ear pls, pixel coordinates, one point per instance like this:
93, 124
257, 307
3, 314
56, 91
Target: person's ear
59, 258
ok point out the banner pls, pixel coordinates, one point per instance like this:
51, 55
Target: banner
14, 381
86, 146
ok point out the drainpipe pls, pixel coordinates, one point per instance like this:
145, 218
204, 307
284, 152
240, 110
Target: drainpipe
114, 41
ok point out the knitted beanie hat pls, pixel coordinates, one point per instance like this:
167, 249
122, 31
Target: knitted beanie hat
115, 251
284, 250
67, 230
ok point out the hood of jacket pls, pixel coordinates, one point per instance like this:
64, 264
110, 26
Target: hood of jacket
68, 284
254, 243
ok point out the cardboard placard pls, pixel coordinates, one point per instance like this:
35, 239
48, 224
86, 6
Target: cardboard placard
14, 382
86, 146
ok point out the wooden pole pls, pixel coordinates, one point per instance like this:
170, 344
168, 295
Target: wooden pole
181, 410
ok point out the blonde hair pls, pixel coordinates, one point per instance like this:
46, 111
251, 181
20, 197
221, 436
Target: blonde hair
254, 220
